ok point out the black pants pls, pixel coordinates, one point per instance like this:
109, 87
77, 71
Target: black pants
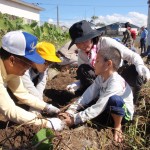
129, 73
143, 45
86, 75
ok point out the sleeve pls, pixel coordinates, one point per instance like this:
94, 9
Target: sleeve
126, 53
15, 113
16, 86
42, 83
97, 109
29, 85
145, 34
82, 58
90, 94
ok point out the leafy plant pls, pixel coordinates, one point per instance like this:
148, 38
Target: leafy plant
43, 139
46, 32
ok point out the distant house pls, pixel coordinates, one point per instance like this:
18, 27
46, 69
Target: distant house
64, 28
116, 29
21, 9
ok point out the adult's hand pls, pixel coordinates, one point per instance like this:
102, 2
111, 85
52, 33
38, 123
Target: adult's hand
143, 71
56, 124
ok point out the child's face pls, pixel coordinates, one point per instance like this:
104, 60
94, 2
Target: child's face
42, 67
85, 46
101, 66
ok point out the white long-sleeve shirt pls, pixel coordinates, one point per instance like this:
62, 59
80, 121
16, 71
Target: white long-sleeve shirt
7, 106
28, 78
126, 53
114, 85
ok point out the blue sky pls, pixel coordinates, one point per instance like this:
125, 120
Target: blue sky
108, 11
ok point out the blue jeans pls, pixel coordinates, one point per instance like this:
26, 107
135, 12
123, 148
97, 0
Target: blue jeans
117, 106
143, 45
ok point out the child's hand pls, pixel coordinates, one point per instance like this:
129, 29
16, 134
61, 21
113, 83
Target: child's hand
69, 120
50, 109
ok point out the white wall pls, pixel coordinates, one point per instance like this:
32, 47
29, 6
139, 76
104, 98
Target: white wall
16, 9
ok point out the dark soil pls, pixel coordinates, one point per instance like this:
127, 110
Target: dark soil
90, 136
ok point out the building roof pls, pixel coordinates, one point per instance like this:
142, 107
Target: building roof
115, 26
28, 4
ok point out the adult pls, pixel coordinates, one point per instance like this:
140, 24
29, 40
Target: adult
127, 37
17, 54
88, 41
143, 38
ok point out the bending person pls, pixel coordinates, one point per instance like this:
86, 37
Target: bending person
35, 78
17, 54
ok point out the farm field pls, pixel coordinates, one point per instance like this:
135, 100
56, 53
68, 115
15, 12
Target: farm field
91, 135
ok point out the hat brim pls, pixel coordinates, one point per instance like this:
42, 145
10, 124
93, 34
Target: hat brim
52, 58
35, 57
90, 35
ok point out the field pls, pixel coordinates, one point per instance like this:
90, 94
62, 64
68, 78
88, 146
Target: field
89, 136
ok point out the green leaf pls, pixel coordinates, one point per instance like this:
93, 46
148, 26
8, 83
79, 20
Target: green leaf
41, 135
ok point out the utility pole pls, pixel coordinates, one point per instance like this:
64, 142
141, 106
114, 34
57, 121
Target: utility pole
57, 16
148, 24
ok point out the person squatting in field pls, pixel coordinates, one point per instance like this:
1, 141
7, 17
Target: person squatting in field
35, 78
115, 98
88, 41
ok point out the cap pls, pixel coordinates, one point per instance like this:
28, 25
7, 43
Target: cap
47, 51
22, 44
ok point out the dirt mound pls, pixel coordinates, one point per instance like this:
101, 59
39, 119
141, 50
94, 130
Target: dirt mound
89, 136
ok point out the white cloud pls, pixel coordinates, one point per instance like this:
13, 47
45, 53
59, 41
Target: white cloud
133, 17
51, 21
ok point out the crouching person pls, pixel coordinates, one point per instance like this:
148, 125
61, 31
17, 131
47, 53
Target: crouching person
115, 95
35, 78
17, 55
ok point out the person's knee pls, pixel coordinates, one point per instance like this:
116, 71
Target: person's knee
115, 100
115, 105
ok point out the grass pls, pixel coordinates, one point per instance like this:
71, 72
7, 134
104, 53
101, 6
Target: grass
139, 130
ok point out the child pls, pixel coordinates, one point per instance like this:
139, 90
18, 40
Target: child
115, 95
35, 77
